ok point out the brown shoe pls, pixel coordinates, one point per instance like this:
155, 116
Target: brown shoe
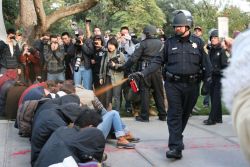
131, 138
152, 112
124, 143
136, 112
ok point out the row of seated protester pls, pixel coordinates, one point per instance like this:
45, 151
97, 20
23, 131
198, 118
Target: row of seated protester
63, 121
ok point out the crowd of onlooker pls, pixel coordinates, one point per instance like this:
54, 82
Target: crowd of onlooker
55, 78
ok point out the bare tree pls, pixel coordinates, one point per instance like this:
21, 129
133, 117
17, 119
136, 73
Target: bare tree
33, 19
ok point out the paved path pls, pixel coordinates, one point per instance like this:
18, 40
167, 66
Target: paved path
205, 146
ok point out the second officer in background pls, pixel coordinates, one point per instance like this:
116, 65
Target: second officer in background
149, 47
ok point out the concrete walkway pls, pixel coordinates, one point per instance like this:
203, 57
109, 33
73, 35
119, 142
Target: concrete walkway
205, 146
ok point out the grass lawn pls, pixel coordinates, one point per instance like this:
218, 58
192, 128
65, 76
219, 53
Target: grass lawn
199, 106
205, 111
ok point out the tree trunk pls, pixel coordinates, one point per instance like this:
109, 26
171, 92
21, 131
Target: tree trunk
35, 22
28, 19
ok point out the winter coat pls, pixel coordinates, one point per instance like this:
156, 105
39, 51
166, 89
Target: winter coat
82, 144
12, 99
48, 121
105, 70
7, 60
54, 59
3, 93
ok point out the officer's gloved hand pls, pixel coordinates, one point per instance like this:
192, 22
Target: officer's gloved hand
136, 76
206, 87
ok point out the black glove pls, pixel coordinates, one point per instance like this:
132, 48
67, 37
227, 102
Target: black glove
206, 87
136, 76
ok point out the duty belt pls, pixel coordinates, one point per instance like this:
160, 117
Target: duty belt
183, 78
143, 65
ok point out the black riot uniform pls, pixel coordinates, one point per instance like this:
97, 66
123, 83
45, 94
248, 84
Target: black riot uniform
219, 61
149, 47
186, 63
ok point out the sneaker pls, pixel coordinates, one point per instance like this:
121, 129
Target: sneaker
124, 143
131, 138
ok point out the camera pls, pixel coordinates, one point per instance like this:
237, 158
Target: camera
77, 64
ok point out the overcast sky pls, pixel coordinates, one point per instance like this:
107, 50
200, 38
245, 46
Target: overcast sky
242, 4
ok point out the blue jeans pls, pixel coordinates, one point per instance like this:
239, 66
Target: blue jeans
109, 119
83, 77
56, 77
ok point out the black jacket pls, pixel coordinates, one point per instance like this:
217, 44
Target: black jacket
82, 144
147, 51
218, 58
85, 52
3, 93
47, 122
6, 59
182, 57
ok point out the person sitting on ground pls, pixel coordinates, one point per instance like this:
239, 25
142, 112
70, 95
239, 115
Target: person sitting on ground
110, 119
37, 91
83, 142
47, 121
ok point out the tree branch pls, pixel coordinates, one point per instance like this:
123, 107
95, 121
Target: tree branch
69, 10
40, 12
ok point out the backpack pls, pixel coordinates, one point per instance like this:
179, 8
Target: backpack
25, 116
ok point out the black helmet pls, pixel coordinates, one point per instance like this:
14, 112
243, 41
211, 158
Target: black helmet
182, 18
149, 30
214, 33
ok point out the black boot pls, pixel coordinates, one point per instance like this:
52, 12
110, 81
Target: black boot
177, 154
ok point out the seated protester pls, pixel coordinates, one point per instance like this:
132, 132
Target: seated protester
3, 94
47, 121
10, 74
12, 98
53, 103
110, 118
109, 75
37, 91
64, 89
83, 142
30, 63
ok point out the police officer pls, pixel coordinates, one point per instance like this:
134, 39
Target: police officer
219, 61
186, 63
147, 50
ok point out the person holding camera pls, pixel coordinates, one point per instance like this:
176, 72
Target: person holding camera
109, 75
9, 52
39, 45
82, 65
30, 62
54, 56
69, 50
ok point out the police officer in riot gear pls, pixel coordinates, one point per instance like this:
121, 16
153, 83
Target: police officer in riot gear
219, 61
147, 50
186, 63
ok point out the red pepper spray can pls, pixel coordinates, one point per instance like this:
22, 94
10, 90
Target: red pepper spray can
134, 86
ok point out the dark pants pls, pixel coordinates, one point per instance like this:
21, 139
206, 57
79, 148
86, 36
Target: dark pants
153, 81
181, 98
215, 93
